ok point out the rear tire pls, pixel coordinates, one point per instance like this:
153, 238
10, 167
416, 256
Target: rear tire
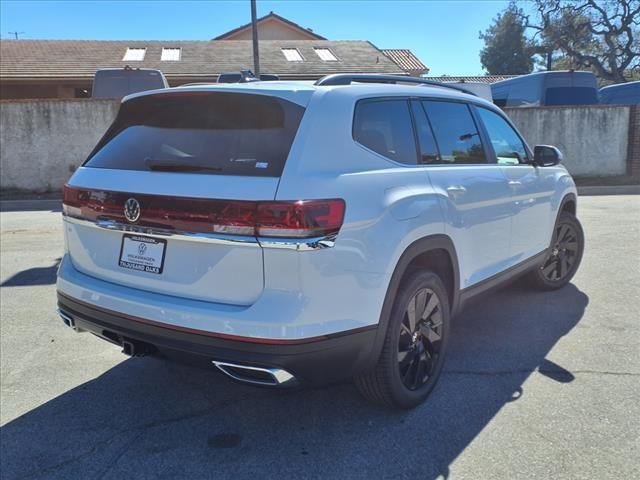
414, 346
564, 255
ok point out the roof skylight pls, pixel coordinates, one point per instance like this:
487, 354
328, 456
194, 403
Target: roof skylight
292, 54
170, 54
134, 54
325, 54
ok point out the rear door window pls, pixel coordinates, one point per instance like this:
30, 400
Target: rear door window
218, 133
385, 127
455, 132
426, 141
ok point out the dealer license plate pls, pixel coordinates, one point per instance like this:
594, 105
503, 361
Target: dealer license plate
144, 254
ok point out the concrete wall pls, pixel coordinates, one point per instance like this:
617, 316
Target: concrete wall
43, 141
594, 139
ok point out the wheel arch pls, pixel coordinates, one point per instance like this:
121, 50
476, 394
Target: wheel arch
418, 255
569, 204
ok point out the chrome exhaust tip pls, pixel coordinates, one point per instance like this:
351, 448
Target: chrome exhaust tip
67, 319
272, 377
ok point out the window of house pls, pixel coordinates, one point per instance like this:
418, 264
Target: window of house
506, 143
456, 132
326, 54
385, 127
292, 54
170, 54
134, 54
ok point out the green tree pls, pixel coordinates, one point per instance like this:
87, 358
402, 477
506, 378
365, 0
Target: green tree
507, 51
598, 35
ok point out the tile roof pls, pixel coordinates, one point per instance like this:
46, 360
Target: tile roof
307, 31
405, 59
199, 59
477, 78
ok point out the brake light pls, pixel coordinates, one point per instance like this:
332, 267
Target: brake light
291, 219
301, 219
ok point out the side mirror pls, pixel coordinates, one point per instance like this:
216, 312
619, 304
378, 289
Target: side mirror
546, 155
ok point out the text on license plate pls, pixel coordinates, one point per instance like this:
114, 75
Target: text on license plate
144, 254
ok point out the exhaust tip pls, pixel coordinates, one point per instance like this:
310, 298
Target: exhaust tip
272, 377
136, 348
67, 319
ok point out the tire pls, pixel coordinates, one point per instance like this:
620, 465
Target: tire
564, 255
410, 363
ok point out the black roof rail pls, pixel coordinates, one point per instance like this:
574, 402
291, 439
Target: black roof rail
347, 78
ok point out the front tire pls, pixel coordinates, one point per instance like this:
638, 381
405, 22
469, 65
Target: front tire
414, 347
564, 257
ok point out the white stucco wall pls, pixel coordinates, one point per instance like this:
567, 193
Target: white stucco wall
593, 139
43, 141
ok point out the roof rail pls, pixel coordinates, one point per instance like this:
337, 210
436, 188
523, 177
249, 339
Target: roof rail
348, 78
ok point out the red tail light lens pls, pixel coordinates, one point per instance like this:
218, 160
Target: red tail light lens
236, 218
301, 219
295, 219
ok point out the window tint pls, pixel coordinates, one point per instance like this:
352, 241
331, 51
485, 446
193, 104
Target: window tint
385, 127
508, 147
427, 143
201, 132
455, 131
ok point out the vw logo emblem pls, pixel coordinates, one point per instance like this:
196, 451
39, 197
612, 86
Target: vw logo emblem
142, 249
132, 210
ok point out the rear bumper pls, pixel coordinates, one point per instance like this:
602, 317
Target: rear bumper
311, 361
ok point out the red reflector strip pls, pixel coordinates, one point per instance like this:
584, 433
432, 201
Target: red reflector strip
295, 219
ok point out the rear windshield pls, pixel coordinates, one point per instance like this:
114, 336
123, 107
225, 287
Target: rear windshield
217, 133
571, 96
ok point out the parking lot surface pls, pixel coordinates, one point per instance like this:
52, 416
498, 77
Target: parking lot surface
536, 385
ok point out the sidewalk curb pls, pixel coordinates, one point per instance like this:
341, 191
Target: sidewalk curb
30, 205
609, 190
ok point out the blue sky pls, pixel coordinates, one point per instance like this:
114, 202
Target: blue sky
444, 34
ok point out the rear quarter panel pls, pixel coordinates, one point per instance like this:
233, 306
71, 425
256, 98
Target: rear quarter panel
388, 207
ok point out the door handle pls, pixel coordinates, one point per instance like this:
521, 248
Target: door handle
515, 183
455, 190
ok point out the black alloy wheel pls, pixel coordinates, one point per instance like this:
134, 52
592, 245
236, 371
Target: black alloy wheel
415, 344
563, 257
563, 254
420, 339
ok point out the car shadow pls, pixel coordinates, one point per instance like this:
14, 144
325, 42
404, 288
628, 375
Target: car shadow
34, 276
151, 418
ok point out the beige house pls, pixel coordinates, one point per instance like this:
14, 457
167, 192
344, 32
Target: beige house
271, 27
65, 68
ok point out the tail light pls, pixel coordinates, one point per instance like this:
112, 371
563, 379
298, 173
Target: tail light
302, 219
290, 219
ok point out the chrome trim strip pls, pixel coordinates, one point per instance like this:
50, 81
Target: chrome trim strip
280, 377
298, 244
164, 233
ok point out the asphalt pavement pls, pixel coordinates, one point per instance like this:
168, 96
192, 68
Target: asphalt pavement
536, 385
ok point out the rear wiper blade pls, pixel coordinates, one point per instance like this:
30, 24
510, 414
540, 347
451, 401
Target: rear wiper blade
178, 166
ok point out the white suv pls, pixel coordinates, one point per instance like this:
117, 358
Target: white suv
297, 233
